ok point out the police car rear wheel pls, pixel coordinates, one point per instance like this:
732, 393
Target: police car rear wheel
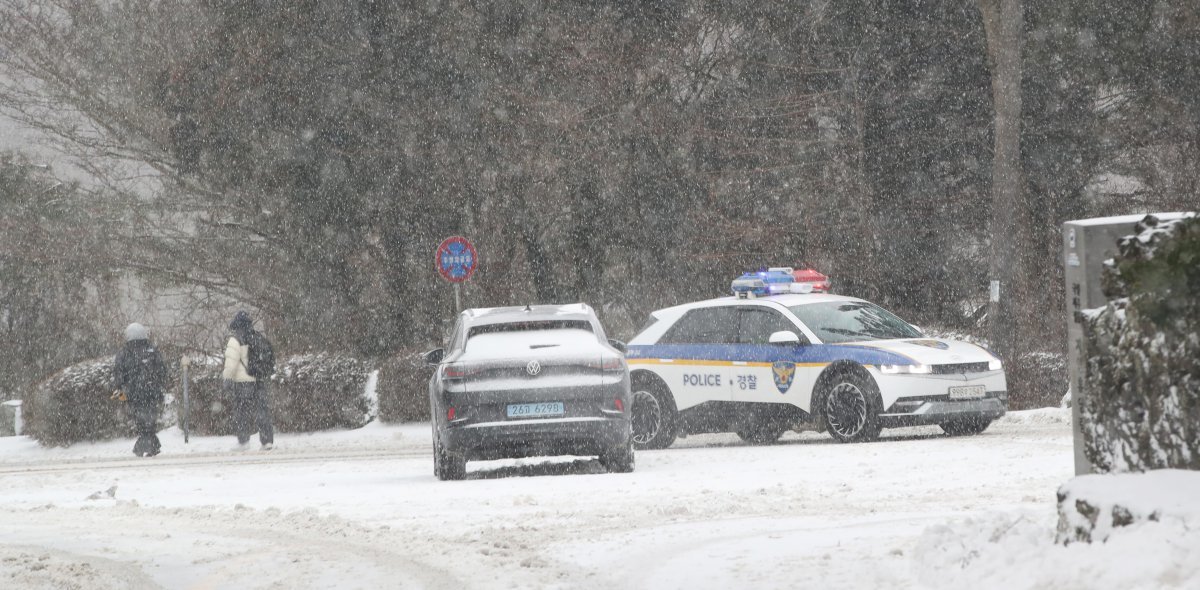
653, 417
761, 434
851, 410
965, 426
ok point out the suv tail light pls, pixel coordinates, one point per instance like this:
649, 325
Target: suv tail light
458, 371
607, 364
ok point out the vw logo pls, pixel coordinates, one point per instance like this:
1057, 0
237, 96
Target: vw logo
533, 368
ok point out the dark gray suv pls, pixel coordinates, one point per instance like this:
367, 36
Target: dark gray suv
529, 381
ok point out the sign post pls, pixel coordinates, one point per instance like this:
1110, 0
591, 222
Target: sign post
184, 362
456, 260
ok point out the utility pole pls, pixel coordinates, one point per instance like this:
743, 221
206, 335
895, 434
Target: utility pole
1003, 21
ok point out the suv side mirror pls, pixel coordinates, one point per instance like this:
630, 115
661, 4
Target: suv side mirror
784, 337
434, 357
617, 344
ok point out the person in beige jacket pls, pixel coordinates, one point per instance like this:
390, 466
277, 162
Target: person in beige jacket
250, 407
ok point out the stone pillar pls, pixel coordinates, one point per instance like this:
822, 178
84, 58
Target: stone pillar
1087, 243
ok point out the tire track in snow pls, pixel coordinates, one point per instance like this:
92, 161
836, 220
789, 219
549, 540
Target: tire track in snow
205, 459
211, 547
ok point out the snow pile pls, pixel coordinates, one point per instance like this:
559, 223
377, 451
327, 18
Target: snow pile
1143, 350
74, 405
1093, 507
1146, 529
1040, 416
1018, 550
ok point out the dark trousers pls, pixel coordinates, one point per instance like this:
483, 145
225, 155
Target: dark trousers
251, 412
145, 420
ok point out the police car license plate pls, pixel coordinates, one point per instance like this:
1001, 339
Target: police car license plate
539, 410
967, 392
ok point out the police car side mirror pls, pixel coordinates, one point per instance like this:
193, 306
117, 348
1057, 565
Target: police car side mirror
434, 357
784, 337
617, 344
918, 329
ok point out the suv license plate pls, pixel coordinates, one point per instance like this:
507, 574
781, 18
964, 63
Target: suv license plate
966, 392
539, 410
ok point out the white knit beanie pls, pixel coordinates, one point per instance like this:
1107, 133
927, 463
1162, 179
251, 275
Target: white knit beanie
136, 331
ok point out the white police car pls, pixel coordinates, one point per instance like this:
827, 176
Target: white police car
761, 365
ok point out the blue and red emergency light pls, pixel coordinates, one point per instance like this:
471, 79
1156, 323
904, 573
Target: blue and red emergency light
779, 280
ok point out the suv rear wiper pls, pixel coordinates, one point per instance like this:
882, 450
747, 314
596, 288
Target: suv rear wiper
536, 346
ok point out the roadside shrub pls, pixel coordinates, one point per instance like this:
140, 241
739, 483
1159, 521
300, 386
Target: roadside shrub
1142, 408
1036, 380
73, 405
403, 388
320, 391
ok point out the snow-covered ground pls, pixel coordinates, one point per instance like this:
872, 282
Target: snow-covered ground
361, 509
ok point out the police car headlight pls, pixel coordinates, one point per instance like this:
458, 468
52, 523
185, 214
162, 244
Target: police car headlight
995, 365
905, 369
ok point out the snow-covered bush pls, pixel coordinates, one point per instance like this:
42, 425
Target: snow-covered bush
403, 388
74, 405
1142, 408
320, 391
308, 392
1037, 379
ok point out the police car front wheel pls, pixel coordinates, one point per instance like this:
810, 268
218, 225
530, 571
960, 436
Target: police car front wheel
850, 406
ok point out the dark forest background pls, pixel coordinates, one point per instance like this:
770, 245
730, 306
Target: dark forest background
303, 159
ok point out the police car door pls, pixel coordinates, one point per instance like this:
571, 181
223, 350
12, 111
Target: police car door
765, 372
694, 356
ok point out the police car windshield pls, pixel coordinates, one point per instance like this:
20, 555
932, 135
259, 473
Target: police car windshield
852, 321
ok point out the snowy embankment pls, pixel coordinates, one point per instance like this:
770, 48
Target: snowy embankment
1145, 530
361, 509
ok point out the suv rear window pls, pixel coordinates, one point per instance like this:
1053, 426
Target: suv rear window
531, 326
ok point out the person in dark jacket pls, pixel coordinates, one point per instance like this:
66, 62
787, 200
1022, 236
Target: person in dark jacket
247, 375
140, 374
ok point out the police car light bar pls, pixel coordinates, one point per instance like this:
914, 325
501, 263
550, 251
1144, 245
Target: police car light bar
762, 283
779, 279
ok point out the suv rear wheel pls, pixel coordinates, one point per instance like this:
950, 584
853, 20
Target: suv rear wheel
447, 466
619, 459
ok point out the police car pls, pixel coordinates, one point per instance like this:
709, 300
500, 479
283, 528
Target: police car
779, 356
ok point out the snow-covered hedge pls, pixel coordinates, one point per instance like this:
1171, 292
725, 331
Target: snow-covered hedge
308, 392
320, 391
1142, 410
210, 411
403, 388
73, 405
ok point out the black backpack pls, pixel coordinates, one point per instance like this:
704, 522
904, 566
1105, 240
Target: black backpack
261, 357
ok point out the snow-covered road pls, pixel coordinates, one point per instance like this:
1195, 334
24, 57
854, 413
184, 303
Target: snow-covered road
362, 509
